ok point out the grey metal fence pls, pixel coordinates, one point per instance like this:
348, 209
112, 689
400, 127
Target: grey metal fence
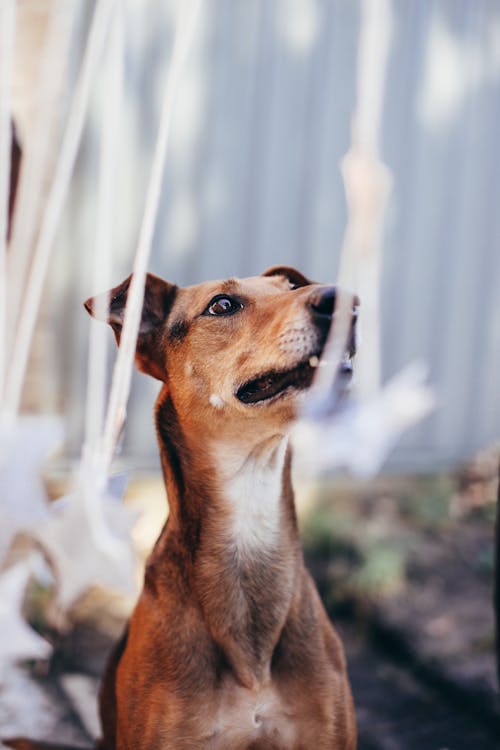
253, 179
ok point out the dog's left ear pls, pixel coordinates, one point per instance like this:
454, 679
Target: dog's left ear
159, 296
295, 278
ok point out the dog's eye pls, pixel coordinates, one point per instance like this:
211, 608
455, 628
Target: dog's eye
222, 305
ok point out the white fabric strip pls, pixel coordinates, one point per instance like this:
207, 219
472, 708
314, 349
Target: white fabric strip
122, 373
54, 205
367, 184
7, 41
41, 98
112, 85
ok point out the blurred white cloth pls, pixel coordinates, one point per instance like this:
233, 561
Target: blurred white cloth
359, 436
18, 641
24, 444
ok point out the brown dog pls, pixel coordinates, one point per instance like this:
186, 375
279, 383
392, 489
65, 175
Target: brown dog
229, 647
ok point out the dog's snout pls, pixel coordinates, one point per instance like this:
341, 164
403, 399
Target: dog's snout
323, 301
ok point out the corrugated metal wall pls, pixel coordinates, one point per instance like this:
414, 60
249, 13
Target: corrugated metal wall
253, 179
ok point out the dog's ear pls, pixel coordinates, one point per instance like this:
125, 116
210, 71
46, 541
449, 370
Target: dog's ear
159, 296
295, 278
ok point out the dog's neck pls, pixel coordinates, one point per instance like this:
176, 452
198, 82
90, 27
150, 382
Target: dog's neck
231, 511
250, 478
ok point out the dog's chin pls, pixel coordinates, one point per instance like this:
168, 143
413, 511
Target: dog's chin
279, 384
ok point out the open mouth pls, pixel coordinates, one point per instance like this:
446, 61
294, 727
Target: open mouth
276, 383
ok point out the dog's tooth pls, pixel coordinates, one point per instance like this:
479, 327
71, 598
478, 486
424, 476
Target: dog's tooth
314, 361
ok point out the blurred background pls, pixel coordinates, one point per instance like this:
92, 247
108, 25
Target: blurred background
261, 123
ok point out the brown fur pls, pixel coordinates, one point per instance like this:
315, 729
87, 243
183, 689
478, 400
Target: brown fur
229, 646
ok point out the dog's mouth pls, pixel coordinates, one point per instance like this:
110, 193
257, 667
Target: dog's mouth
277, 383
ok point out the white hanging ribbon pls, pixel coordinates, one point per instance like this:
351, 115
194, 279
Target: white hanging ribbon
367, 184
91, 478
90, 499
37, 153
359, 437
7, 40
122, 373
55, 201
112, 86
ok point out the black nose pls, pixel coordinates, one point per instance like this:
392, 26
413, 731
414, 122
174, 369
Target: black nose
322, 302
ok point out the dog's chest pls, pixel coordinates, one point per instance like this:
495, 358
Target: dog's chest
246, 719
253, 497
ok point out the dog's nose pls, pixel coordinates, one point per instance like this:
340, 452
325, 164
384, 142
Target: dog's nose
322, 302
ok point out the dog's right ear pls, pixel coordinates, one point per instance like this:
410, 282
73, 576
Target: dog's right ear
159, 297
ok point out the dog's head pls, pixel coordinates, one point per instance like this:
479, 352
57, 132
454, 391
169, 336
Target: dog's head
242, 347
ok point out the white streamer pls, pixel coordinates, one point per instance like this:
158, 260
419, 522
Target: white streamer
91, 479
7, 37
113, 80
367, 184
122, 373
373, 53
55, 201
37, 150
360, 435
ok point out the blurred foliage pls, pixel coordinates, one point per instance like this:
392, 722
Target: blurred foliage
362, 560
326, 531
427, 501
368, 534
382, 572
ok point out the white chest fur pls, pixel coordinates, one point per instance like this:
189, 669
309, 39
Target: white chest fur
251, 488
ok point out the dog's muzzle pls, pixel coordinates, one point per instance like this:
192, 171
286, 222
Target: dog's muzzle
274, 383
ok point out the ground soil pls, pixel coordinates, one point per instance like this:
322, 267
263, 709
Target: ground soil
408, 582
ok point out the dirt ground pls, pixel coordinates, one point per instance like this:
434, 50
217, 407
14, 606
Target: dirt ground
405, 568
